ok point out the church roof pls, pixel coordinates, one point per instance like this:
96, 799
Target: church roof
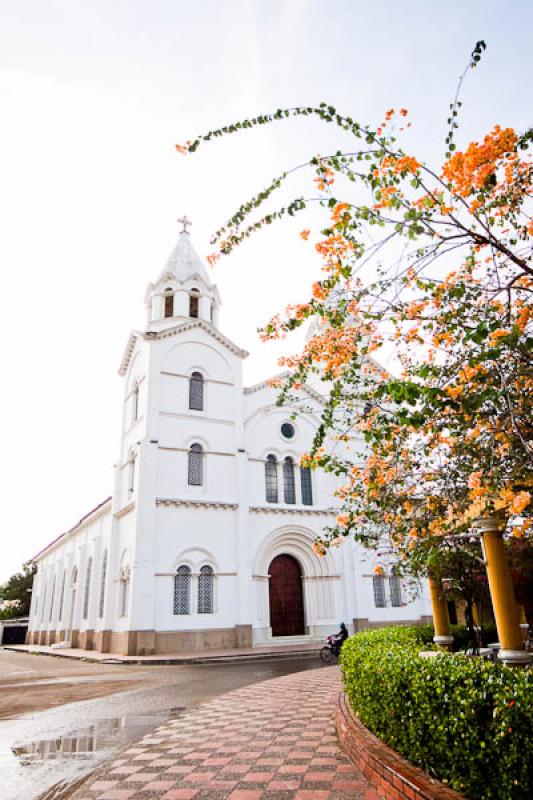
282, 376
100, 508
184, 262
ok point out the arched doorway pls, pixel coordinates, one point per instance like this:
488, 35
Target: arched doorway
286, 597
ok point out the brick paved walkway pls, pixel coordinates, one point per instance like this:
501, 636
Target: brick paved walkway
272, 741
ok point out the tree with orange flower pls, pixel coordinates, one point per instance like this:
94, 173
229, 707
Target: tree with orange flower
436, 265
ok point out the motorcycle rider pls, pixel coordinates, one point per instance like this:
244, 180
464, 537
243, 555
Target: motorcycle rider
339, 638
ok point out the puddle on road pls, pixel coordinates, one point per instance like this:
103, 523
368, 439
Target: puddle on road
49, 768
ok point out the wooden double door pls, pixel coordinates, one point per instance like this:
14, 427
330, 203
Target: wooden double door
286, 597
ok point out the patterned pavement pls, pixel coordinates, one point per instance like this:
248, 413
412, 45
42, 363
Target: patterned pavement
271, 741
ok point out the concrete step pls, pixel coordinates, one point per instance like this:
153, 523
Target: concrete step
290, 640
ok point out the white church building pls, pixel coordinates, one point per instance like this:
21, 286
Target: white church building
206, 540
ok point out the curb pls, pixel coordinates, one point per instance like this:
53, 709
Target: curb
157, 662
392, 774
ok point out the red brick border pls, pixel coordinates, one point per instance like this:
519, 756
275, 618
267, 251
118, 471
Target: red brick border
393, 775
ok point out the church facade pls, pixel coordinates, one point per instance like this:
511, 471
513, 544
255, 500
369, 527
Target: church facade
206, 540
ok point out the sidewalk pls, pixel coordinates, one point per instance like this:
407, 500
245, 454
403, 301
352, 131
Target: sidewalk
197, 657
271, 741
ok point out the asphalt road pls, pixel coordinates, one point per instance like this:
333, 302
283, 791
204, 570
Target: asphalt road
60, 719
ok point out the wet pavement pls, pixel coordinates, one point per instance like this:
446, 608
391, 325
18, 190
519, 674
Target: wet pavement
60, 744
274, 740
51, 766
29, 683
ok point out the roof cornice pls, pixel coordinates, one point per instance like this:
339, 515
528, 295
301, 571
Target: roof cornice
266, 383
190, 503
128, 352
177, 330
301, 511
203, 325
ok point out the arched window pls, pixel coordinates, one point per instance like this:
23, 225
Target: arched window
289, 495
307, 488
131, 474
395, 587
87, 591
62, 595
194, 302
205, 590
378, 582
124, 591
271, 479
196, 465
182, 590
103, 574
135, 403
169, 303
196, 392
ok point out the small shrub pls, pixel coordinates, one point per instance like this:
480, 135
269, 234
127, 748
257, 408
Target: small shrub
465, 721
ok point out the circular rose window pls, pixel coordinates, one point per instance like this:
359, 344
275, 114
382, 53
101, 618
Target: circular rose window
287, 430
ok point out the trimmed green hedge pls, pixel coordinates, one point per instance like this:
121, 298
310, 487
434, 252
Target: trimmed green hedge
466, 721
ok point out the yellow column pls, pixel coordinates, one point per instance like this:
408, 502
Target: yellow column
441, 621
502, 594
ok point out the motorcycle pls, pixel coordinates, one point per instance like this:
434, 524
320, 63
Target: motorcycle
330, 650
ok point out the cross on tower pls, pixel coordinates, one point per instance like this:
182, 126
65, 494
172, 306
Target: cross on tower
185, 222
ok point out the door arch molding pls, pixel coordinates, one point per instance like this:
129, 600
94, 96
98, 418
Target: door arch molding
296, 541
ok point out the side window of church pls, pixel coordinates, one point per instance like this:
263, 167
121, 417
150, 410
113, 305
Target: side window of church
131, 474
87, 592
135, 403
395, 587
196, 465
169, 303
196, 392
62, 596
103, 575
51, 612
205, 590
307, 489
271, 479
289, 494
379, 591
44, 602
193, 303
182, 590
124, 591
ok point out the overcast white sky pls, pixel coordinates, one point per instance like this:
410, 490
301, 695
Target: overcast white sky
93, 97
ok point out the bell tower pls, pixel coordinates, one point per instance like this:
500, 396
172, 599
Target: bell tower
183, 289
